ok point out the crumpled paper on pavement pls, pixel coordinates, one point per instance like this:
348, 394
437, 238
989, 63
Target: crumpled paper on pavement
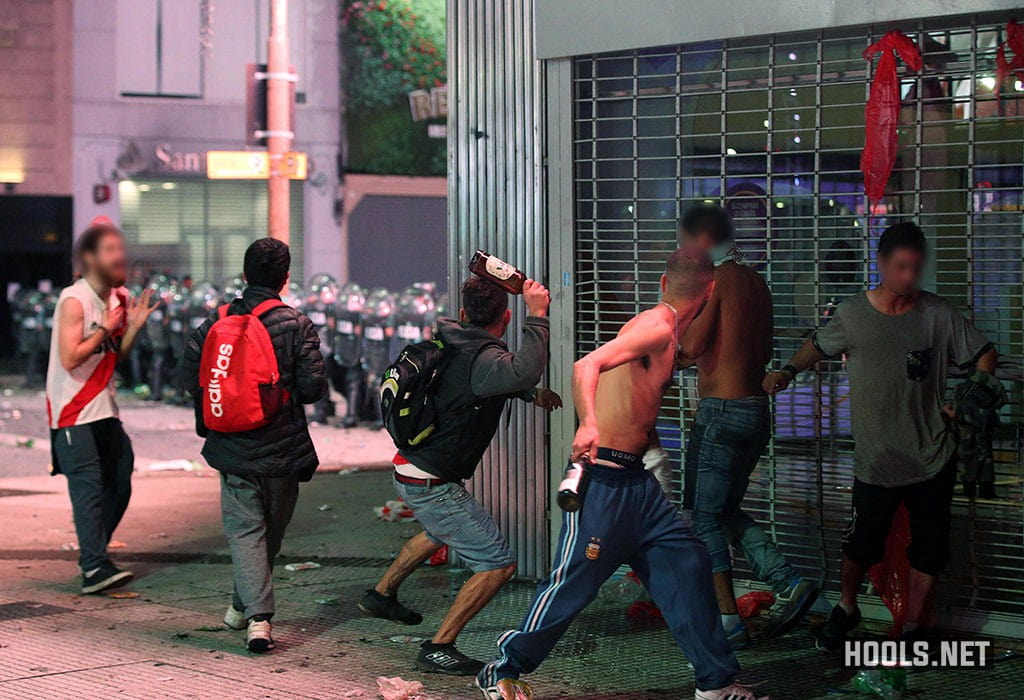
393, 511
399, 689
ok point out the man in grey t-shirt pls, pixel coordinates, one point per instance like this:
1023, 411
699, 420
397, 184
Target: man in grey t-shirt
898, 342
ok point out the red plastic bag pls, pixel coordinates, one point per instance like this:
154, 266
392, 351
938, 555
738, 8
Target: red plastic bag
891, 576
1006, 66
439, 558
643, 609
751, 604
882, 112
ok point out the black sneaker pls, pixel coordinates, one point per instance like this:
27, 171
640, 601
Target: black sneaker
445, 658
105, 577
376, 605
839, 624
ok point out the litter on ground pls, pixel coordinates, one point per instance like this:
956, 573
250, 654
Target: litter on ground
301, 566
399, 689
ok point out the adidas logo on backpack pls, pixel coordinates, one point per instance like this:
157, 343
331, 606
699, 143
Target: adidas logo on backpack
238, 374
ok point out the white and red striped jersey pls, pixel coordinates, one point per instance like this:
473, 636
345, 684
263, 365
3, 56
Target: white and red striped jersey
86, 393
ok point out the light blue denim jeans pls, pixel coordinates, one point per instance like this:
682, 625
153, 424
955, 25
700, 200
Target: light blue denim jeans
450, 515
725, 443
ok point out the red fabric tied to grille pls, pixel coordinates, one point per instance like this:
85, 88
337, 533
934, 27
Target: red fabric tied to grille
882, 112
891, 576
1005, 67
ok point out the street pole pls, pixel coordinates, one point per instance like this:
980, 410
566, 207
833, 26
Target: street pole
279, 130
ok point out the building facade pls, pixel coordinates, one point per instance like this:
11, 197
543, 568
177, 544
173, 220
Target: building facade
35, 149
159, 83
640, 109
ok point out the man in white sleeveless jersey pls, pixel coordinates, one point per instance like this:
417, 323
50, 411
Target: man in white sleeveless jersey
94, 326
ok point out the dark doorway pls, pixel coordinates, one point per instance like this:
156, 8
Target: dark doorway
35, 245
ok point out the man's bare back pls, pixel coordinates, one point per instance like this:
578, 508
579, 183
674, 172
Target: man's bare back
731, 340
629, 396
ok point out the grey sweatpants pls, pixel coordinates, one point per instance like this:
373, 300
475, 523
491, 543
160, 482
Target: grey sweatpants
256, 511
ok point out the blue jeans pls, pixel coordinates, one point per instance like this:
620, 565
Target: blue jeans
725, 443
450, 515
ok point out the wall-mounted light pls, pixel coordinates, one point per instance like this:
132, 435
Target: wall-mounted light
11, 179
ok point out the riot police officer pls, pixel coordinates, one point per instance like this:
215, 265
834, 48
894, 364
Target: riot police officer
441, 310
292, 295
318, 305
233, 289
33, 341
413, 318
177, 325
158, 337
377, 334
139, 358
346, 346
203, 302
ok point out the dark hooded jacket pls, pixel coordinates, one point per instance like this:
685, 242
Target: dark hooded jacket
284, 447
473, 390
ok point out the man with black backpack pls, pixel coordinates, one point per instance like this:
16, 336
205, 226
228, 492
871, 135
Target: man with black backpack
251, 367
457, 385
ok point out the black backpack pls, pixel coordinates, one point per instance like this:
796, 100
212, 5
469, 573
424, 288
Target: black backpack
407, 391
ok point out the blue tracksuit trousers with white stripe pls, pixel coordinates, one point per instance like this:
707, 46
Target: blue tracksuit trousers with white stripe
625, 519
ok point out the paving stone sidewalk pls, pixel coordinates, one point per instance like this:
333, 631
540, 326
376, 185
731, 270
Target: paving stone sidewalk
168, 641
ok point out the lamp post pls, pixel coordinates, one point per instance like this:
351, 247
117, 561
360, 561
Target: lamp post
279, 128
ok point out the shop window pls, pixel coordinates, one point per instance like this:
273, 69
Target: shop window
158, 48
772, 128
200, 228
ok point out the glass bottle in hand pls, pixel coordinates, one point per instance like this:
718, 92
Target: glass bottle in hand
498, 271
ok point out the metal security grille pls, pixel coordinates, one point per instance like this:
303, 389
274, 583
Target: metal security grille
771, 128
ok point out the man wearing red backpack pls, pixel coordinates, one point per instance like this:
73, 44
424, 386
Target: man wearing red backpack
251, 367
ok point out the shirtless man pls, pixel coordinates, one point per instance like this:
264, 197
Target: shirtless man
731, 343
625, 516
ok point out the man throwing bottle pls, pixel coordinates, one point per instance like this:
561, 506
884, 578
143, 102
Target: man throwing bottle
625, 517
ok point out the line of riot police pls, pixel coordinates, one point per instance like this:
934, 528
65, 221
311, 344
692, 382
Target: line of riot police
360, 331
360, 334
32, 324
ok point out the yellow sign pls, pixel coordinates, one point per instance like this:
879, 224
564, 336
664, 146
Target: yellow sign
237, 165
252, 165
294, 165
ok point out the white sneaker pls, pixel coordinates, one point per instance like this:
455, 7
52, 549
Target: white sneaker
257, 636
235, 619
507, 689
736, 691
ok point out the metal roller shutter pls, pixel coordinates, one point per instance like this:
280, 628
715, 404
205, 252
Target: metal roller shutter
494, 203
772, 128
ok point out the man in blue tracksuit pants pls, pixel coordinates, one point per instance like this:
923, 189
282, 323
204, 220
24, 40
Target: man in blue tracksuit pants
626, 517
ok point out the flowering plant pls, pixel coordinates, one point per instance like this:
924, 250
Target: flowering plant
391, 50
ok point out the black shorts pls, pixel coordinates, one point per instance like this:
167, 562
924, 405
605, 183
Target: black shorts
928, 505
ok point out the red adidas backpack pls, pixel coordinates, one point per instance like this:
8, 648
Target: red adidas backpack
238, 375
